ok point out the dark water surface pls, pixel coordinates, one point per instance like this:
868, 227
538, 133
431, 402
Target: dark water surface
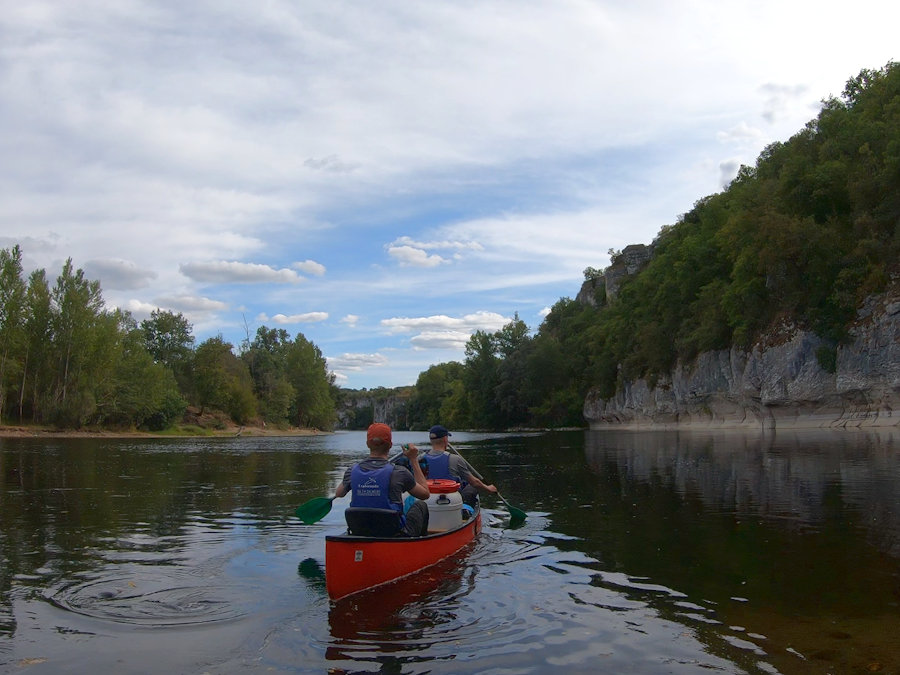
642, 553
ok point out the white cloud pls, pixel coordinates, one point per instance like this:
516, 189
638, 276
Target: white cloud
283, 319
439, 245
455, 340
238, 272
140, 310
414, 257
356, 362
489, 321
351, 320
190, 304
310, 267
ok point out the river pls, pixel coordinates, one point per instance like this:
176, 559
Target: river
643, 552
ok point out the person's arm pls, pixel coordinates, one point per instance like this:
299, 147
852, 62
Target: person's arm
420, 489
465, 471
344, 486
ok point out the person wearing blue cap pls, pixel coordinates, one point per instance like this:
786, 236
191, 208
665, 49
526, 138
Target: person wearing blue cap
444, 465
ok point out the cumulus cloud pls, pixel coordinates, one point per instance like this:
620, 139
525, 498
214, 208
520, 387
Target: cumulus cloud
225, 272
489, 321
310, 267
351, 320
356, 362
447, 339
410, 252
190, 304
445, 244
118, 274
140, 310
408, 256
284, 319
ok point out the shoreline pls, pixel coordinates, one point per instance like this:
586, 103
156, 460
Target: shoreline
25, 431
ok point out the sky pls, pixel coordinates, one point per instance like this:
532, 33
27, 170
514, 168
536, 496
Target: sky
388, 177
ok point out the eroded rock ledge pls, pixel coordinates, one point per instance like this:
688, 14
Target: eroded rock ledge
778, 385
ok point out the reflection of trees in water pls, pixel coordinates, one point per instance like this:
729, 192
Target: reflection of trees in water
800, 478
66, 503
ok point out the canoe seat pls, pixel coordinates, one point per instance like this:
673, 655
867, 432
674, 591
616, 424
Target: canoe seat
364, 522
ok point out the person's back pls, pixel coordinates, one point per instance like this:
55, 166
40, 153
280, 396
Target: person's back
376, 487
444, 465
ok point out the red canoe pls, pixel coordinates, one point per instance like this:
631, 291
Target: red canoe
354, 564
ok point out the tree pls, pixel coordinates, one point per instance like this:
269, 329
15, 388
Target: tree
266, 358
307, 372
170, 340
481, 378
434, 387
12, 314
76, 306
37, 368
211, 377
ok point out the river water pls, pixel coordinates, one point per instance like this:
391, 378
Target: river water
642, 553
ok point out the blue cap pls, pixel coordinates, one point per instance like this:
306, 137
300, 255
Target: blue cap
437, 431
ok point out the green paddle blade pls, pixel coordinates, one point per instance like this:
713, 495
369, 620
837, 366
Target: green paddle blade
516, 516
314, 510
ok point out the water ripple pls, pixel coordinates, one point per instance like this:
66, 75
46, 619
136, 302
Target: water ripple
161, 601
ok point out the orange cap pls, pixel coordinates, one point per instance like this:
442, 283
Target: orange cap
379, 433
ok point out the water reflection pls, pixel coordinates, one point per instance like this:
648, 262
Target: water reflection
643, 553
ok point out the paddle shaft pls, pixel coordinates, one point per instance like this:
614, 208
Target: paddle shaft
515, 513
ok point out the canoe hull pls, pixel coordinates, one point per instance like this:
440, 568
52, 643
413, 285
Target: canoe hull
354, 564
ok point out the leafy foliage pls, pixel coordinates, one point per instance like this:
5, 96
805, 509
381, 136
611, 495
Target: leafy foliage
65, 359
800, 238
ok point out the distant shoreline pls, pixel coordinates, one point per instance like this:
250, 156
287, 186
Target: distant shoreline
25, 431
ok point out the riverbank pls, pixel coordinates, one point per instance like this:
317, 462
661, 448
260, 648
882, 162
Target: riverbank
28, 431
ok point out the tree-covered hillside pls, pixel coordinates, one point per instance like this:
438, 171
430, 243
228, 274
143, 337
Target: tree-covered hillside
799, 239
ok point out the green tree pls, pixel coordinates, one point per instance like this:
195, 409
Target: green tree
266, 358
76, 308
37, 365
307, 372
434, 387
12, 319
169, 339
481, 377
211, 378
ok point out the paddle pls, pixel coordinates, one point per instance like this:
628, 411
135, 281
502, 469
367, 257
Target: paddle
516, 516
317, 508
314, 510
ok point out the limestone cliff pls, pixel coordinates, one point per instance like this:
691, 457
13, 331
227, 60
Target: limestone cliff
779, 383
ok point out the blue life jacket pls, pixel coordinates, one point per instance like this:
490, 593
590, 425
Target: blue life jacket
371, 489
439, 467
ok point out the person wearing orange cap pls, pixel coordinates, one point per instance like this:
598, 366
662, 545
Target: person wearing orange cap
376, 483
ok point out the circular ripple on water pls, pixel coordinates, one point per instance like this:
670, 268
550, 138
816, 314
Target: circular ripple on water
141, 602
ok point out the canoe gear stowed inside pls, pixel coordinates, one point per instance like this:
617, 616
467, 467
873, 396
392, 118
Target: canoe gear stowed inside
356, 561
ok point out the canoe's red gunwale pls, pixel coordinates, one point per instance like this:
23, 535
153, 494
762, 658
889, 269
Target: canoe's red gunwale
354, 564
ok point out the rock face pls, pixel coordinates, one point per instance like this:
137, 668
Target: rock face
781, 384
359, 409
